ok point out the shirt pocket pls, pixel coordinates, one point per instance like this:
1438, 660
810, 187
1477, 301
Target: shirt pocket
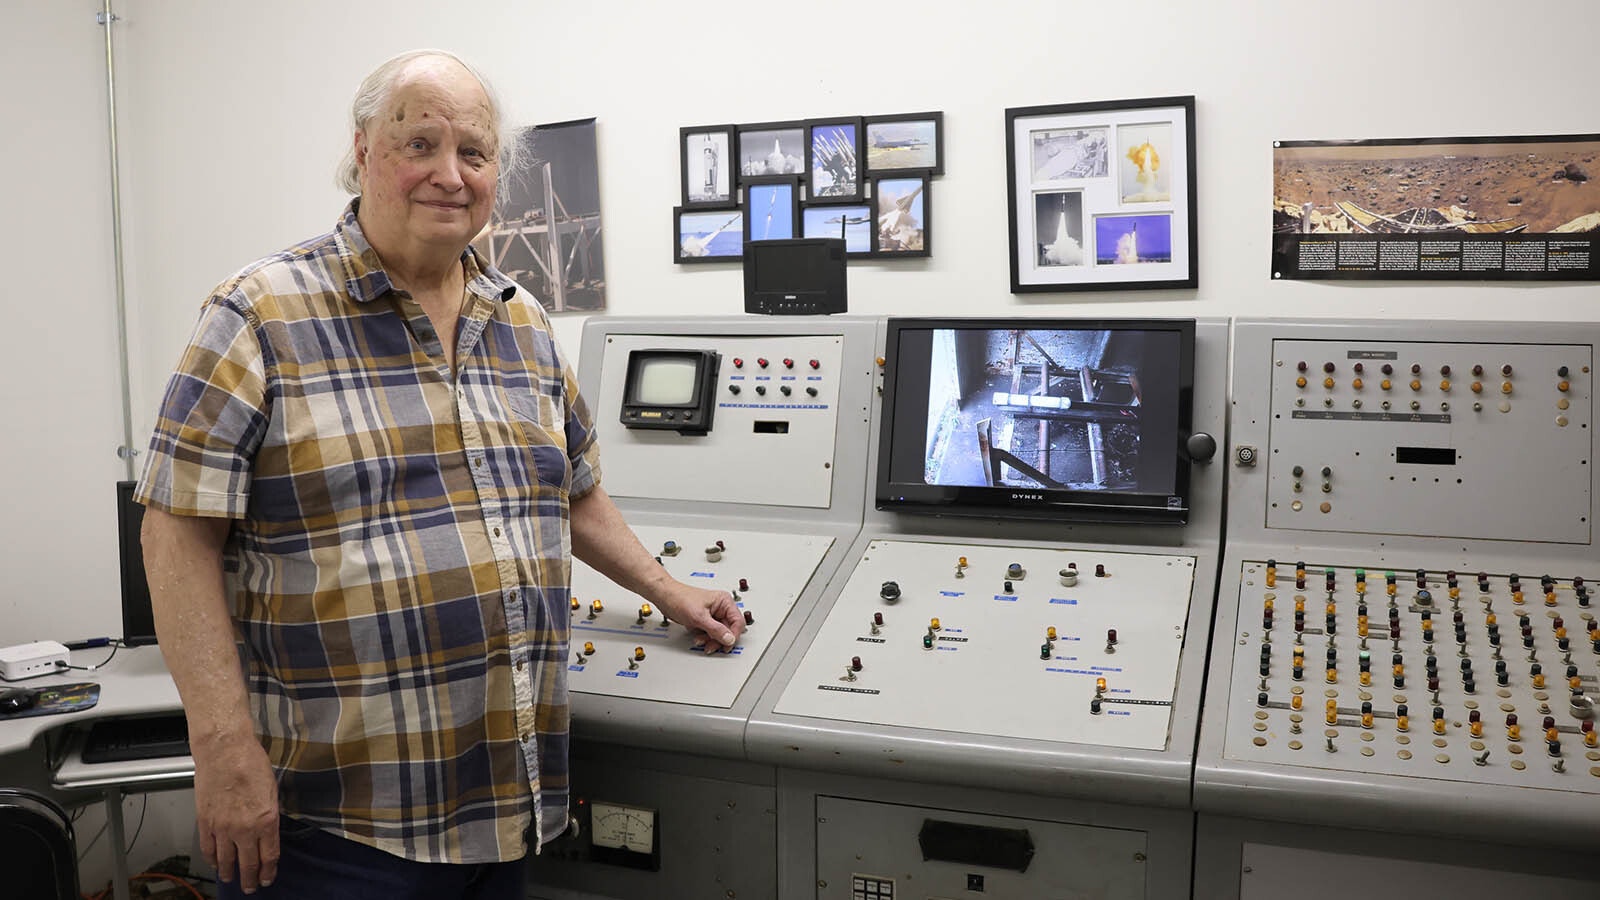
541, 419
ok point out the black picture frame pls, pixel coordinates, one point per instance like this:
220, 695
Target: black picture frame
771, 207
904, 142
902, 211
833, 160
705, 167
1084, 177
772, 148
696, 234
853, 222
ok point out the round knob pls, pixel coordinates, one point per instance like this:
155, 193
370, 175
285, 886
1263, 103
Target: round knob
1201, 447
889, 591
734, 389
749, 618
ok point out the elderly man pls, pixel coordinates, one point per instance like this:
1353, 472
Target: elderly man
367, 478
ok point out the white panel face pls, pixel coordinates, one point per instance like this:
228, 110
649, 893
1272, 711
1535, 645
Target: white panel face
766, 447
1272, 873
1430, 455
1278, 733
990, 667
774, 569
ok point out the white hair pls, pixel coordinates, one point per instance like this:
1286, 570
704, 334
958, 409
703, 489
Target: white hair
372, 97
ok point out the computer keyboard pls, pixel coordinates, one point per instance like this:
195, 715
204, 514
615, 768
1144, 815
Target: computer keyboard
145, 737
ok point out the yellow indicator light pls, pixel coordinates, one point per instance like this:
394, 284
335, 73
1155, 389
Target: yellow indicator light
1272, 579
1438, 726
1389, 589
1416, 385
1477, 387
1333, 712
1538, 682
1513, 732
1050, 633
1366, 679
1399, 670
1385, 384
961, 561
1099, 685
934, 623
1366, 720
1516, 596
1490, 619
1267, 604
645, 611
596, 606
1476, 728
1561, 632
1455, 593
1294, 702
1591, 738
575, 604
638, 653
1331, 608
1552, 734
1402, 723
1444, 385
588, 648
1550, 598
1333, 676
1356, 384
1300, 382
1576, 683
1327, 383
1300, 604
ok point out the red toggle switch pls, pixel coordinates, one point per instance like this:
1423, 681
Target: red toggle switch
788, 363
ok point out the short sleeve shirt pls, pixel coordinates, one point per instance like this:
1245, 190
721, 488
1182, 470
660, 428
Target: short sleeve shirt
399, 561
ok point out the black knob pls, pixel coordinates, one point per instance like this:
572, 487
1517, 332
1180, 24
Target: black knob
1201, 447
890, 591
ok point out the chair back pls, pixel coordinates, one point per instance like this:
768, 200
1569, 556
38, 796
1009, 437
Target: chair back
38, 856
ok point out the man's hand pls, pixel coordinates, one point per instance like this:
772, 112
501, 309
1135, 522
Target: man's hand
236, 810
712, 617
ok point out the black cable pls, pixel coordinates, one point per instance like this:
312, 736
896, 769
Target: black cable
115, 646
140, 827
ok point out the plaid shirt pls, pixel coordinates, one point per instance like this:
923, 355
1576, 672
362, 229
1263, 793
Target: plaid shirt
400, 562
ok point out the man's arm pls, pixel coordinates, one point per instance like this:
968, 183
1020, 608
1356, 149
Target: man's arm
602, 539
235, 791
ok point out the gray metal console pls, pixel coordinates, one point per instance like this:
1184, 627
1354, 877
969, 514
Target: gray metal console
1405, 648
970, 687
735, 448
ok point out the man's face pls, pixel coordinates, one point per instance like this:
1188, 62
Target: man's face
428, 162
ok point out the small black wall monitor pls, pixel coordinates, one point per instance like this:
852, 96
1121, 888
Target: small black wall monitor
796, 277
138, 621
671, 389
1047, 418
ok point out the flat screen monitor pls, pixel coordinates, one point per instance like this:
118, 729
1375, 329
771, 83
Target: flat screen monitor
1044, 418
799, 276
138, 621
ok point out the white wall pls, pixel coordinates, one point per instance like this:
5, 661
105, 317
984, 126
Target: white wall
61, 397
232, 116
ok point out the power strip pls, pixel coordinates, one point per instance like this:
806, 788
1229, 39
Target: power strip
32, 660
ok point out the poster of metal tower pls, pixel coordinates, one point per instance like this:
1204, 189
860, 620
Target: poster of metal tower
545, 233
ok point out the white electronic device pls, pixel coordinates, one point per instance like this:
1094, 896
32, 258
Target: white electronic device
32, 660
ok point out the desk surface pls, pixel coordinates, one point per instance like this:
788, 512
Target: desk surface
134, 683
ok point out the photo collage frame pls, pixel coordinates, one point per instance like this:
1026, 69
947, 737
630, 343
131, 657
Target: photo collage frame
865, 179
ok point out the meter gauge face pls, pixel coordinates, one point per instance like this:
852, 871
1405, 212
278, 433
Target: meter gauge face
619, 827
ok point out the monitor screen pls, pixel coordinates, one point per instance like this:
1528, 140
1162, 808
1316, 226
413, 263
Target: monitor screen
1066, 419
138, 622
666, 380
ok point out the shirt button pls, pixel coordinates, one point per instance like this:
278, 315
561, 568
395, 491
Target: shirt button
478, 462
497, 531
461, 393
519, 665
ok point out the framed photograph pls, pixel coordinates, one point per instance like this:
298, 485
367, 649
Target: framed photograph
853, 222
901, 206
833, 160
904, 143
1101, 196
707, 166
771, 207
772, 148
707, 235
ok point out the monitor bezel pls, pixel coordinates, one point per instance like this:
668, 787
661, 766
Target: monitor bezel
694, 417
1059, 505
830, 296
138, 617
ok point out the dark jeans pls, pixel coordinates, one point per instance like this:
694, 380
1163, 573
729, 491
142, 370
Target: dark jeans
316, 865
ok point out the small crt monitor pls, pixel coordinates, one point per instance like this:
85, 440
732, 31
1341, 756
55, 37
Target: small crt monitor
674, 390
1041, 418
795, 277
